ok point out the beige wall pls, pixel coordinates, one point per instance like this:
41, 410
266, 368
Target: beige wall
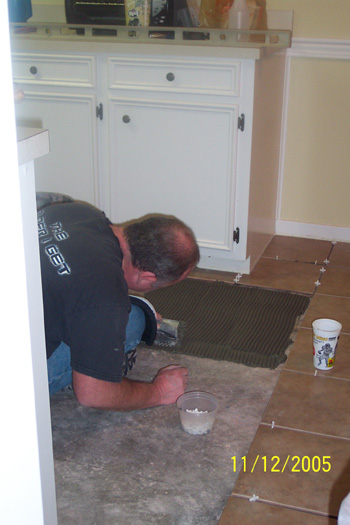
316, 176
316, 172
317, 18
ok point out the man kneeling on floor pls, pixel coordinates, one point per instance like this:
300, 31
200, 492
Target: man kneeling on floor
92, 325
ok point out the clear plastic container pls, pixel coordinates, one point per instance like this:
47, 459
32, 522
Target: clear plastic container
239, 16
197, 412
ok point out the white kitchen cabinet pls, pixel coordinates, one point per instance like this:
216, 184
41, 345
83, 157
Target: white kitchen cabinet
171, 139
171, 153
193, 179
60, 94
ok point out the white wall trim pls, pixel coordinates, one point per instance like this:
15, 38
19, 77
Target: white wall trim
307, 48
284, 121
319, 48
314, 231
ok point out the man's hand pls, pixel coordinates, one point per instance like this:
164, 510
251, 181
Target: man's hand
171, 382
159, 320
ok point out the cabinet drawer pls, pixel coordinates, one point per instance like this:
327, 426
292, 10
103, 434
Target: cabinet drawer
197, 76
54, 69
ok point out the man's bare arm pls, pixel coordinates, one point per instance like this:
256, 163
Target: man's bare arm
169, 383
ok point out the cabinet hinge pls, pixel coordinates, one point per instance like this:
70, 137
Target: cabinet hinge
236, 235
241, 121
99, 111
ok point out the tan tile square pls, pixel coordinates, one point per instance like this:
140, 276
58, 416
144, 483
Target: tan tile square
240, 511
283, 275
340, 255
300, 358
212, 275
298, 249
309, 489
310, 403
330, 307
335, 281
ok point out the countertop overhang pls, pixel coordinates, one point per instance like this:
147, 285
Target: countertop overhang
32, 143
205, 42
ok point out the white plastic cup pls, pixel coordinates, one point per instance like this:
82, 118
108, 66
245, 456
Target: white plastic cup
197, 412
326, 336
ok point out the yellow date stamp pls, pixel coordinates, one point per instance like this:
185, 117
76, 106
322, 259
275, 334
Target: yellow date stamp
279, 465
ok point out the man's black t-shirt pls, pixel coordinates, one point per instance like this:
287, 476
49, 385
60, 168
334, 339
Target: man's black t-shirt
86, 303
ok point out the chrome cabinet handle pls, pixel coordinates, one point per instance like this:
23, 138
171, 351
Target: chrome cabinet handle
126, 119
33, 70
170, 77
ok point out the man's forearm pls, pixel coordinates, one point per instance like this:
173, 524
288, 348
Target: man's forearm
124, 396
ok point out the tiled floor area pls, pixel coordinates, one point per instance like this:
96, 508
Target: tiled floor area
298, 466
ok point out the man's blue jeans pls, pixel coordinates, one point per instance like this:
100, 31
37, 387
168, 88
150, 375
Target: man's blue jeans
58, 365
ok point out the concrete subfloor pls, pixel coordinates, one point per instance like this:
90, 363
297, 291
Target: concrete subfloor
140, 467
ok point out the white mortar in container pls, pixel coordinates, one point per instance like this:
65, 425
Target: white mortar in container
197, 412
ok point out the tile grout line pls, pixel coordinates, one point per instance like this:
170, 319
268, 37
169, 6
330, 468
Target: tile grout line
273, 425
308, 328
315, 375
336, 296
331, 251
255, 499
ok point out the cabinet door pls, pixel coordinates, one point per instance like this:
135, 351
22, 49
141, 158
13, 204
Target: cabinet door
175, 158
71, 167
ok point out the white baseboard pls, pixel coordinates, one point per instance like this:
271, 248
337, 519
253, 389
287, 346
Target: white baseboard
313, 231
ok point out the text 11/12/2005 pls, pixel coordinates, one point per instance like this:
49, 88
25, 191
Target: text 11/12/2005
279, 465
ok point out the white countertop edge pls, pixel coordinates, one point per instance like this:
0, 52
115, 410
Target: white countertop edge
32, 143
21, 43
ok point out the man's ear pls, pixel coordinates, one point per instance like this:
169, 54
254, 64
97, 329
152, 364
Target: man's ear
147, 278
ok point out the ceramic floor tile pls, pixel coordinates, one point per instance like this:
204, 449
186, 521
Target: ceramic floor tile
335, 281
340, 255
283, 275
318, 482
298, 249
300, 357
213, 275
310, 403
239, 511
330, 307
